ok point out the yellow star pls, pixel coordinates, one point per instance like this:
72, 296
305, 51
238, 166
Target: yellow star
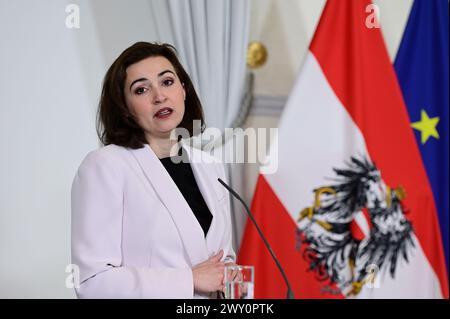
426, 126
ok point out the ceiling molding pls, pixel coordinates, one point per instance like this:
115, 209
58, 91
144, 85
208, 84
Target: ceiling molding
266, 105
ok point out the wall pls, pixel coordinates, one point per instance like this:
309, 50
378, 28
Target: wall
50, 81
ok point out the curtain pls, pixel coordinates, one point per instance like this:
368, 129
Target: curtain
211, 38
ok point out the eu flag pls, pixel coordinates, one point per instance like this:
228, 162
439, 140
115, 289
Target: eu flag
422, 66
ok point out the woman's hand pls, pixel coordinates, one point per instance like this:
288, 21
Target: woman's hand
208, 275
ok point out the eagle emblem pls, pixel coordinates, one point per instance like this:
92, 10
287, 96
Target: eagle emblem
356, 223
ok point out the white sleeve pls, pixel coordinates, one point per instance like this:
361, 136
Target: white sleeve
97, 212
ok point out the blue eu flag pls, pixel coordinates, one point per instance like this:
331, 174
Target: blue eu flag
422, 66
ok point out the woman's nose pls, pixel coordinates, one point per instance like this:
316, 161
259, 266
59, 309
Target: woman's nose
159, 96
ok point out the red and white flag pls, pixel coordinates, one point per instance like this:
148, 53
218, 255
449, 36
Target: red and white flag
350, 211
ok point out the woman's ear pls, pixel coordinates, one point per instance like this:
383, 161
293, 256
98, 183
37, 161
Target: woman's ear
184, 92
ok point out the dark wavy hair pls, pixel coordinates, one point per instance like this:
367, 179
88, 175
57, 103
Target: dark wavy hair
115, 123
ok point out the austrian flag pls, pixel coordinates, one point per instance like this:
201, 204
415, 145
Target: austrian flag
350, 212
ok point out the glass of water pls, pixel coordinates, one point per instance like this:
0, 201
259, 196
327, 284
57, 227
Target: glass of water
239, 282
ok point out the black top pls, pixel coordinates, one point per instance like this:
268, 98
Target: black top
183, 177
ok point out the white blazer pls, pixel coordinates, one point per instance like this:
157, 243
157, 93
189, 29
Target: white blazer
133, 233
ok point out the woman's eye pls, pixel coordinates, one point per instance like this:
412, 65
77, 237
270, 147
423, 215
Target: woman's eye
168, 82
140, 90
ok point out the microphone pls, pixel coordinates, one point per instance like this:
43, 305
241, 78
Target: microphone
290, 293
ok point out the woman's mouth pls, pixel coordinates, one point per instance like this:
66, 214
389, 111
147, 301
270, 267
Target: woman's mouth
163, 113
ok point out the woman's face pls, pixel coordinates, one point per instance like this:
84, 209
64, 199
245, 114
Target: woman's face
155, 96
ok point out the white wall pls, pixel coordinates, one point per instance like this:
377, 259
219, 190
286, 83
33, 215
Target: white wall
50, 79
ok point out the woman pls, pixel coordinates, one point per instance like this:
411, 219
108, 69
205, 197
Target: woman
144, 226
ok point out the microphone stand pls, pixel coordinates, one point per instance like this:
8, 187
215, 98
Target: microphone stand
290, 294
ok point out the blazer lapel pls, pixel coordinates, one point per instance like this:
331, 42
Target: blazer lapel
205, 181
189, 229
